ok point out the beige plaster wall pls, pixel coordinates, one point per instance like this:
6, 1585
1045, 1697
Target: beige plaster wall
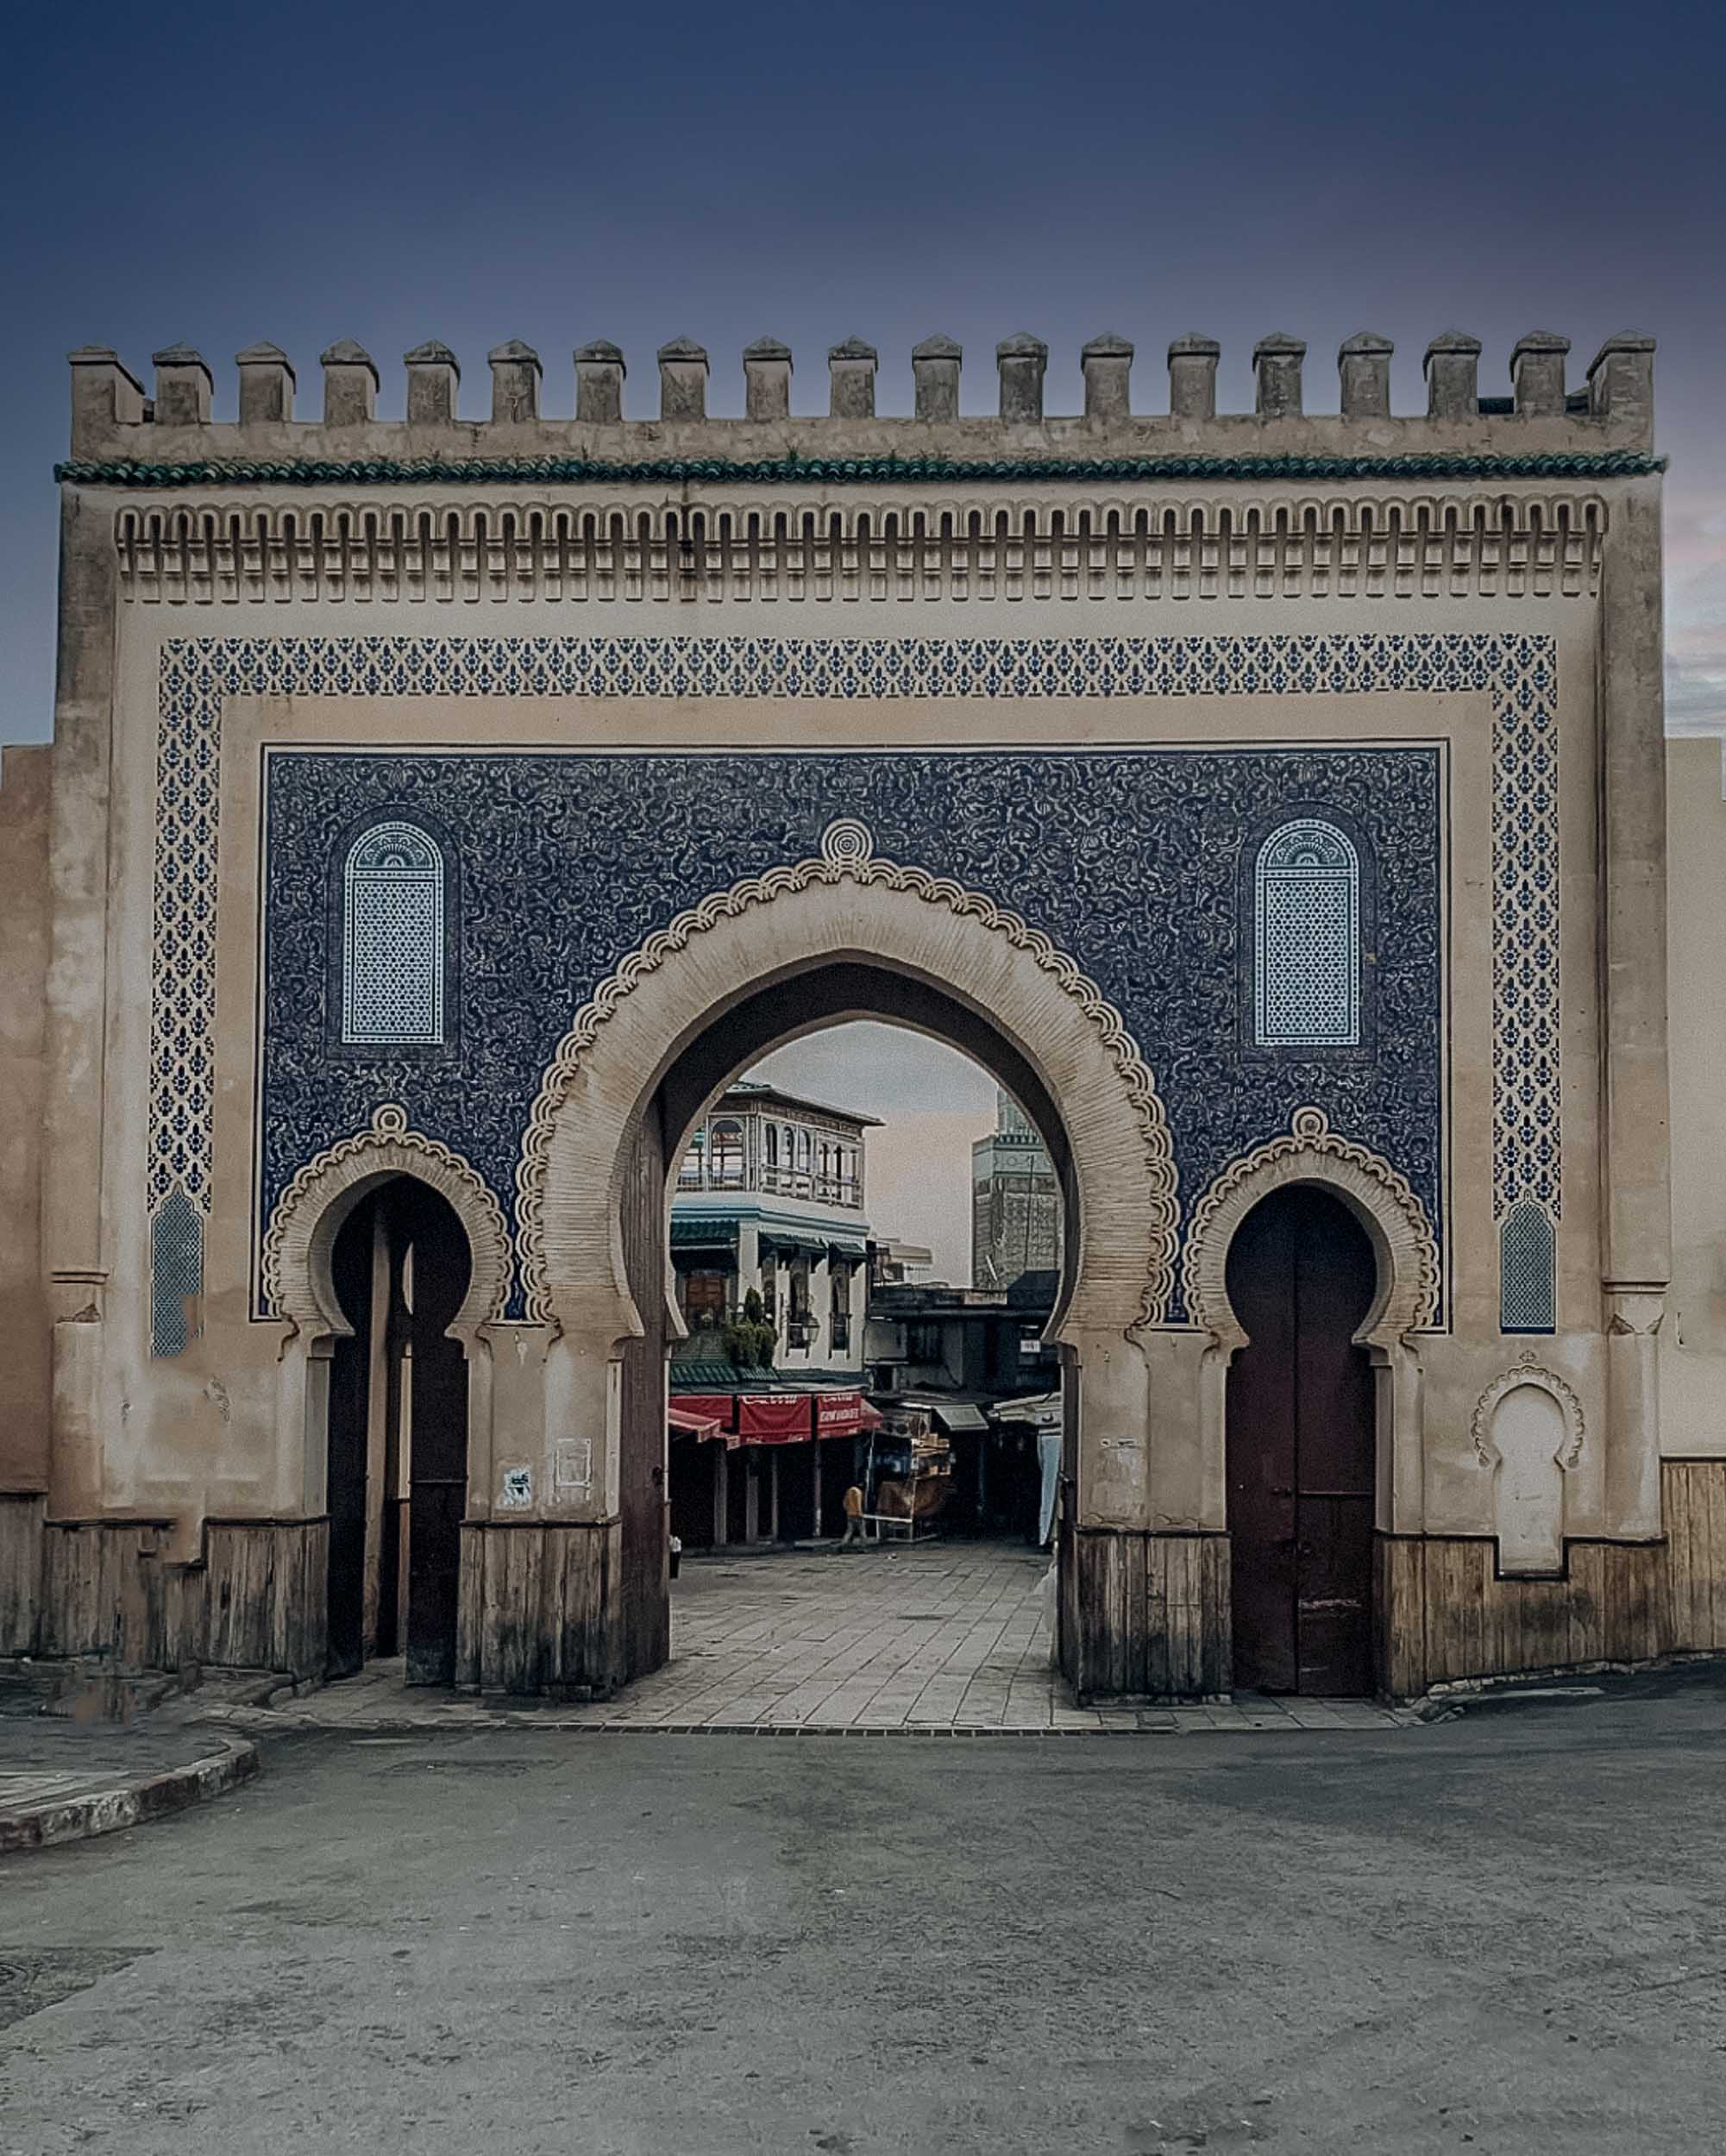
1693, 1338
24, 1384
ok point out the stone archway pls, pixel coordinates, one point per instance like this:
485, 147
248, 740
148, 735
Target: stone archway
308, 1214
1409, 1287
848, 903
845, 912
299, 1288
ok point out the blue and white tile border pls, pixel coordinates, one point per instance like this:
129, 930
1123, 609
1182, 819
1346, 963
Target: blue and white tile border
1518, 671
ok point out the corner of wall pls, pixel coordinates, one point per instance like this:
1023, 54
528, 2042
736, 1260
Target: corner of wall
24, 1377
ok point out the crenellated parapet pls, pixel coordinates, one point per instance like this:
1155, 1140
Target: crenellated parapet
1544, 428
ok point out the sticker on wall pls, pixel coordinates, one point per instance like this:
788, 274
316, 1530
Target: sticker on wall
572, 1465
517, 1491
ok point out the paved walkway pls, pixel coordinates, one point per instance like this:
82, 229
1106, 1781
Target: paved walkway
952, 1639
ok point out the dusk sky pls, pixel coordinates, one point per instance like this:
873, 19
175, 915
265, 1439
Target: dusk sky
397, 172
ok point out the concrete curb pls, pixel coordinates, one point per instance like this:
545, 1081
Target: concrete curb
130, 1803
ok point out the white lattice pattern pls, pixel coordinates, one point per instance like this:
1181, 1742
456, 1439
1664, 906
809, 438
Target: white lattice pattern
393, 937
1307, 939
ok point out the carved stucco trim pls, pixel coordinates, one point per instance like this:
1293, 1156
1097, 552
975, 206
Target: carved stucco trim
296, 1245
976, 547
1310, 1151
847, 851
1528, 1372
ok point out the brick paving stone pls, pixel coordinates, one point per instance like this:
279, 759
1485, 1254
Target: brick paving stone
941, 1636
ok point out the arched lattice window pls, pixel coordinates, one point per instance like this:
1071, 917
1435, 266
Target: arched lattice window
392, 938
1305, 921
1527, 1269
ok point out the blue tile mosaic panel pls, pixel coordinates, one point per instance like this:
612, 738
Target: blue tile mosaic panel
1129, 860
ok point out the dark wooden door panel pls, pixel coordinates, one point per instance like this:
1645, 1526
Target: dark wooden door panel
1261, 1452
437, 1371
1301, 1275
1333, 1602
345, 1492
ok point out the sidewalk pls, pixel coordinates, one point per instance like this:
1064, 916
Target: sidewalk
63, 1781
948, 1640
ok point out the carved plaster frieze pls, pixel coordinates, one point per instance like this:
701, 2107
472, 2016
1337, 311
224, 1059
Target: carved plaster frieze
752, 547
296, 1252
1310, 1151
1528, 1371
847, 851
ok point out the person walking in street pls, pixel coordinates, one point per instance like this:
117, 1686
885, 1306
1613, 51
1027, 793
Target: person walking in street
854, 1512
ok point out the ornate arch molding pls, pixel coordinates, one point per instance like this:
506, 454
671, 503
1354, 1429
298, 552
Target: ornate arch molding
310, 1213
1122, 1152
1312, 1152
1528, 1372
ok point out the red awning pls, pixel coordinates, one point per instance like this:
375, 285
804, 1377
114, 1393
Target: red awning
843, 1415
683, 1425
773, 1417
709, 1414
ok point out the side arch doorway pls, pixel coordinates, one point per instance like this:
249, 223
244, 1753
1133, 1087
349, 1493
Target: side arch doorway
397, 1432
1303, 1277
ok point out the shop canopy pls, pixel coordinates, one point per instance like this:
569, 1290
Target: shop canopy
703, 1232
700, 1414
794, 1242
785, 1418
775, 1418
843, 1415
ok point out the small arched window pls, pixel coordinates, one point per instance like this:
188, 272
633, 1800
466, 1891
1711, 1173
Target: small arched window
392, 938
1527, 1271
1306, 922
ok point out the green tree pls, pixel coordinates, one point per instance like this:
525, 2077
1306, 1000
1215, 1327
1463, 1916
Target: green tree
749, 1339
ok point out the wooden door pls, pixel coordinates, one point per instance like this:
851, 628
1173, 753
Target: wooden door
436, 1265
1302, 1276
345, 1457
644, 1500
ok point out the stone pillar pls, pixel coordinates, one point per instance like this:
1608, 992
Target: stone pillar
851, 366
103, 396
935, 366
600, 371
1363, 364
75, 1119
1452, 366
1192, 378
682, 379
1537, 375
1107, 364
515, 381
183, 387
350, 384
1276, 366
1621, 381
1636, 1239
432, 379
267, 385
1020, 361
767, 380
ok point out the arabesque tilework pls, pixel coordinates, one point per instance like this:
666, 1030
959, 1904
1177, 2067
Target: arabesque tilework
1518, 672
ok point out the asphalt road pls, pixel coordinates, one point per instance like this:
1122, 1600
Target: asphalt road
1505, 1933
